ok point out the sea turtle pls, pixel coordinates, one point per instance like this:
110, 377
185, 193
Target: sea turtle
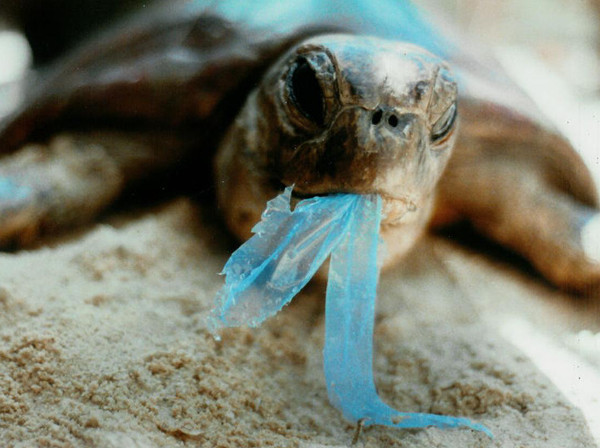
328, 96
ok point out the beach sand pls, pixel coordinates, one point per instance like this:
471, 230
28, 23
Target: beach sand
103, 343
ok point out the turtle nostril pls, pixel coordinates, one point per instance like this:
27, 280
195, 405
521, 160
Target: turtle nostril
377, 116
393, 121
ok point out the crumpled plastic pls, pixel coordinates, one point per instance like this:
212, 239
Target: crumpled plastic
287, 248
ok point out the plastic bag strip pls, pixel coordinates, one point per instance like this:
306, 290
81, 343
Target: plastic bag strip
349, 320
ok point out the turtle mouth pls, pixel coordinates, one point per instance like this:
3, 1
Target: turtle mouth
300, 196
395, 209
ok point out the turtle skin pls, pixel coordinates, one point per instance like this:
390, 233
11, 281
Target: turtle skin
153, 99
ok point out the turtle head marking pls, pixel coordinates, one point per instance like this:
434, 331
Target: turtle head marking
342, 113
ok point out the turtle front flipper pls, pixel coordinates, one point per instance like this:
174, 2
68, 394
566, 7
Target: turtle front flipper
526, 188
531, 217
69, 181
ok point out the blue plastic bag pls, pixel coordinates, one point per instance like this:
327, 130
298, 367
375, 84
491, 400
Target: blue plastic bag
288, 247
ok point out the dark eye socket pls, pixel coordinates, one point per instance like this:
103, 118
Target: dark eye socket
444, 125
306, 92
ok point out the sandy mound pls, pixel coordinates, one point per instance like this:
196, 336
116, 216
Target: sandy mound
103, 343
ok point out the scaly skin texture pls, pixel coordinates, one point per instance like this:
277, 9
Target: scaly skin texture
368, 134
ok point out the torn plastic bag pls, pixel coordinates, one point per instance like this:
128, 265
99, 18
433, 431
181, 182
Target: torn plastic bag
267, 271
287, 248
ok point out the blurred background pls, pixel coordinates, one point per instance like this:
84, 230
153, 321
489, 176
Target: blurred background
565, 34
550, 47
33, 33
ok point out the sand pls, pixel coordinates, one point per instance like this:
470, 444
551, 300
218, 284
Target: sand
103, 343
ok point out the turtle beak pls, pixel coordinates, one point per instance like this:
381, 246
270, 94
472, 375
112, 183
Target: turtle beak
364, 151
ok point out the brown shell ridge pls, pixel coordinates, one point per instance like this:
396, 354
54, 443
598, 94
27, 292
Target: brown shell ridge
176, 71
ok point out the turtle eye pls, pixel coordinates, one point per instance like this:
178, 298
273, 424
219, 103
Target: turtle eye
444, 125
306, 92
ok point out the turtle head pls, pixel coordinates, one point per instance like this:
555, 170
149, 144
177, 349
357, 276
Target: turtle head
341, 113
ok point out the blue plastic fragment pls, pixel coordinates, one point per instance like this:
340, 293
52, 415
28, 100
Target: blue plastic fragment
12, 191
288, 247
393, 19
